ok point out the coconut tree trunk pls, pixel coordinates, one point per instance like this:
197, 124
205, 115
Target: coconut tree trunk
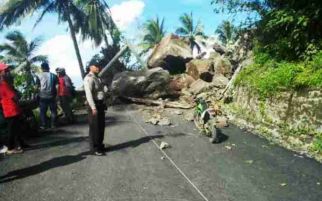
73, 35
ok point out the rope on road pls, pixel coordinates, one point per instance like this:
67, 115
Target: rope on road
168, 157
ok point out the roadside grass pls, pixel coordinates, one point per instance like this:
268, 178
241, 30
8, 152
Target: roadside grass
268, 77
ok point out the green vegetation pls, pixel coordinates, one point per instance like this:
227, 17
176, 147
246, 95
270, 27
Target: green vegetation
317, 144
21, 54
268, 76
286, 30
154, 29
86, 17
189, 30
227, 32
288, 41
97, 21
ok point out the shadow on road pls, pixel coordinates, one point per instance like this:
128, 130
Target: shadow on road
60, 142
221, 135
133, 143
42, 167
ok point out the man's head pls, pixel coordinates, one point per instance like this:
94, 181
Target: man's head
60, 71
5, 73
3, 68
94, 67
45, 67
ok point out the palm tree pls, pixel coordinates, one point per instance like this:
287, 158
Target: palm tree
21, 54
98, 20
154, 33
189, 31
18, 52
227, 32
67, 11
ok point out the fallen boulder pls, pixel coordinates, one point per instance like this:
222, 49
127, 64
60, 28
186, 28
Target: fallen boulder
151, 83
201, 69
179, 82
199, 86
172, 54
220, 81
222, 66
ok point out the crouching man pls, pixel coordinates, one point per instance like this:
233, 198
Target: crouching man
95, 96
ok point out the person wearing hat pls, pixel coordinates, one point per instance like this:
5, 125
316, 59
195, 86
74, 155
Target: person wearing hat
11, 110
65, 93
47, 84
95, 96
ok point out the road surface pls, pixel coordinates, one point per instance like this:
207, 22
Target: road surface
243, 167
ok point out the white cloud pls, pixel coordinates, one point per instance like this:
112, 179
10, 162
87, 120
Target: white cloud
60, 49
61, 53
127, 12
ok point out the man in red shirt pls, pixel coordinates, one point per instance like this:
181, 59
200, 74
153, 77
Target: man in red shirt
65, 93
11, 110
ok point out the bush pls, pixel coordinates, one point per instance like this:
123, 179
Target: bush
317, 144
267, 76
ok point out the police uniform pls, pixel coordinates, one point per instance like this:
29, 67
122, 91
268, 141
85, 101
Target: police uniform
95, 95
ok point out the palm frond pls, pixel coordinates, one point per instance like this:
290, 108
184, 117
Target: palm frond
14, 10
154, 32
49, 8
39, 59
10, 51
34, 44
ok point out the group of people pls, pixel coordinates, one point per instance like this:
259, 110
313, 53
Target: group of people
50, 87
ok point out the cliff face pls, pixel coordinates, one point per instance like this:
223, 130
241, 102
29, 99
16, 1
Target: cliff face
292, 119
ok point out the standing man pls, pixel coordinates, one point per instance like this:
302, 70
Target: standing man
47, 84
95, 96
65, 93
11, 110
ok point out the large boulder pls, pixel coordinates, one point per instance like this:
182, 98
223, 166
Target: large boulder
219, 48
152, 83
172, 54
181, 81
222, 66
201, 69
220, 81
199, 86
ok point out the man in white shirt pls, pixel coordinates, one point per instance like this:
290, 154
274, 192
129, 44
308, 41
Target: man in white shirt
95, 96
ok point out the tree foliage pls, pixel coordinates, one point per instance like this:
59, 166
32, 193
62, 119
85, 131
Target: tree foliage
90, 18
21, 54
98, 20
155, 31
190, 30
287, 30
227, 32
17, 51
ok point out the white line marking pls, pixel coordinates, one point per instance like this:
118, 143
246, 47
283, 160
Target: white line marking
168, 157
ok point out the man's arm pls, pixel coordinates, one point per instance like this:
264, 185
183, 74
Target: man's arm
88, 86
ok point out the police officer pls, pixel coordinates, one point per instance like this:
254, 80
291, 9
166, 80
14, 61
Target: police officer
95, 96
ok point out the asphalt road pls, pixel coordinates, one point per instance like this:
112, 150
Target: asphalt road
59, 167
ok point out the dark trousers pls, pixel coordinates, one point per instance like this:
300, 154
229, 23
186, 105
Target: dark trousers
65, 103
97, 127
44, 104
14, 125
